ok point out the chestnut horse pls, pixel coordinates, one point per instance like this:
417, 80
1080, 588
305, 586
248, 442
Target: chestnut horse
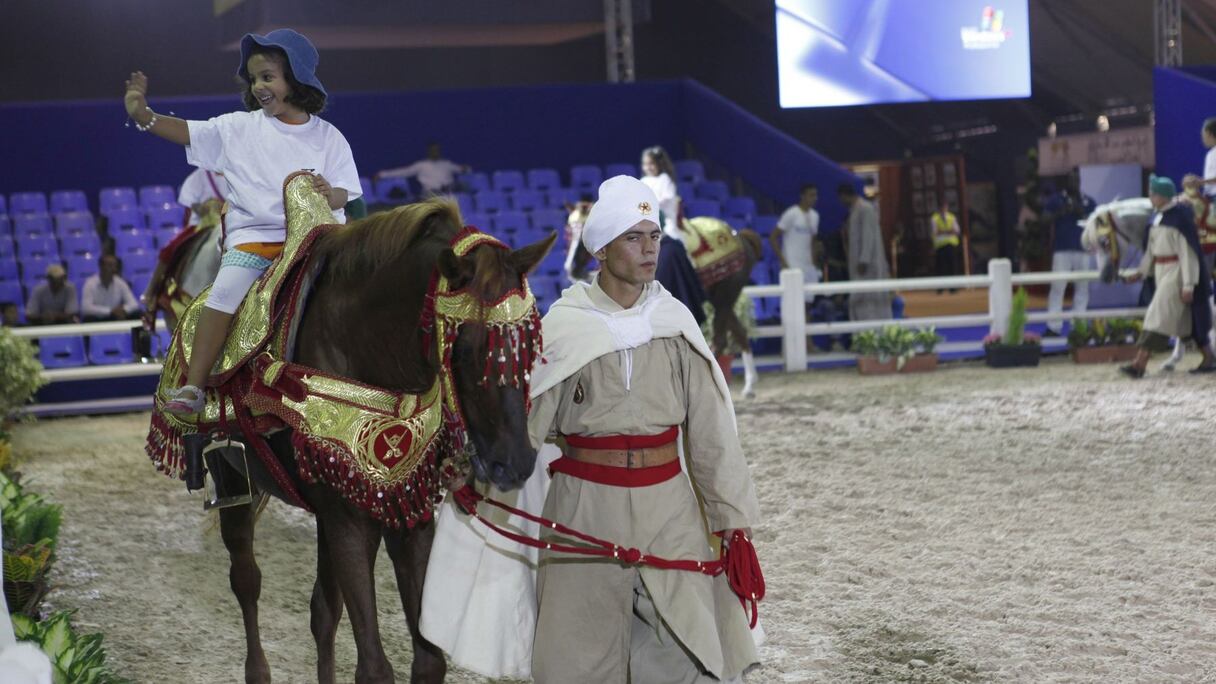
361, 322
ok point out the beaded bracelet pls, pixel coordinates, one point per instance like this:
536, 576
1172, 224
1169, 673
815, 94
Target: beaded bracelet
147, 127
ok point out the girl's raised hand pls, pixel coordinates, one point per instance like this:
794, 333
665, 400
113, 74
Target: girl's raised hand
137, 93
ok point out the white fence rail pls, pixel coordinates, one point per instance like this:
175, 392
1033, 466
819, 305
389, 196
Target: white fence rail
1000, 283
793, 329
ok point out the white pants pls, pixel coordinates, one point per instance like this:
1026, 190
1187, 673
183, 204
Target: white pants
231, 285
1067, 262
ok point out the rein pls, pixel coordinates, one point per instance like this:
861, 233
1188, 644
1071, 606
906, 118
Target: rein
738, 558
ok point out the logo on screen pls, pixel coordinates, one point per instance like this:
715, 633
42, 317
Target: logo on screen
990, 34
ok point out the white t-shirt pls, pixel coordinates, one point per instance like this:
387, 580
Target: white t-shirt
1209, 172
798, 229
665, 191
256, 153
434, 175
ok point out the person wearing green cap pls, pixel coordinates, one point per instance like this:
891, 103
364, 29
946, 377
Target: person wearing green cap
1180, 306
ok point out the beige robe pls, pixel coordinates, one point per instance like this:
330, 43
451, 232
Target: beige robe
865, 252
1167, 313
585, 616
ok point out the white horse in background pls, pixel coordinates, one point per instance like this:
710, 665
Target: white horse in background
1115, 232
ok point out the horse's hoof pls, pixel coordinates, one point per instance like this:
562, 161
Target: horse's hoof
1167, 367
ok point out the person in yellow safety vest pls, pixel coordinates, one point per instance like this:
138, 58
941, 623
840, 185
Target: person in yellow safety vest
946, 239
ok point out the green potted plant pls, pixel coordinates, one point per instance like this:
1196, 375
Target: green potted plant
1103, 340
1016, 348
895, 349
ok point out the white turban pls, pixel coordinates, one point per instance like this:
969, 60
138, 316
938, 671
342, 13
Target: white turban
623, 202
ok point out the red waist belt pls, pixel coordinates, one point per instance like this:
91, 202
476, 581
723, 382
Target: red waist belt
618, 476
1165, 260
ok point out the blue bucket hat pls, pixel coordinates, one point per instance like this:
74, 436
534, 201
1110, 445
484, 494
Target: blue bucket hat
301, 55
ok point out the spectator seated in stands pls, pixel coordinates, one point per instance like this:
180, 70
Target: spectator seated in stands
106, 296
53, 301
10, 317
435, 174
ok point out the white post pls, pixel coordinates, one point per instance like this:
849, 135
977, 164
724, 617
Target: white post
793, 319
1000, 294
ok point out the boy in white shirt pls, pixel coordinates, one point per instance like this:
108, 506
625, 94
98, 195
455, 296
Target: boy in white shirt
796, 230
435, 174
255, 150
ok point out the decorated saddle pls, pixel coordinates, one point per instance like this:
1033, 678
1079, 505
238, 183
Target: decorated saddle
715, 251
389, 453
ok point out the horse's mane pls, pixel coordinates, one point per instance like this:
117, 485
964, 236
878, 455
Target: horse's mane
368, 244
1117, 207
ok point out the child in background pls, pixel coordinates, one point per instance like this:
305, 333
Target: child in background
255, 151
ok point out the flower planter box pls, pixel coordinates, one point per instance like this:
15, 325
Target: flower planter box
999, 355
1110, 353
921, 363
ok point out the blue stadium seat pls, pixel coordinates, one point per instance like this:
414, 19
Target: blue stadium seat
81, 267
6, 224
78, 244
32, 225
7, 247
743, 207
368, 190
549, 220
478, 220
554, 262
110, 349
27, 203
8, 269
544, 179
393, 190
3, 205
156, 195
74, 223
702, 207
167, 215
110, 199
736, 222
138, 264
558, 198
612, 170
138, 283
44, 247
33, 270
162, 341
68, 200
473, 182
125, 219
11, 291
689, 171
714, 190
61, 352
586, 177
765, 224
525, 236
129, 241
508, 180
164, 236
506, 222
465, 201
489, 201
527, 200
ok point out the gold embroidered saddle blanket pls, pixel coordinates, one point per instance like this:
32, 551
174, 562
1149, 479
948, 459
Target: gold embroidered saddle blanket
388, 452
715, 251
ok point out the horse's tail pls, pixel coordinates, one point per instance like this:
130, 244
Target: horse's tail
752, 242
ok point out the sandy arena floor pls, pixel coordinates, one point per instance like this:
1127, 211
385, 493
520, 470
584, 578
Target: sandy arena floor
1043, 525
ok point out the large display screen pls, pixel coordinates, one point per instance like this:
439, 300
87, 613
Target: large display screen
833, 53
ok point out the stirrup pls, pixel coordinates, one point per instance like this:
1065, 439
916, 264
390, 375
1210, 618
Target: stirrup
180, 406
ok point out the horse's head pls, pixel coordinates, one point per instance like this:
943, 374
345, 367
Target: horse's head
492, 350
1112, 230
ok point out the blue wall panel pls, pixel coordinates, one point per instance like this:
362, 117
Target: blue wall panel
1182, 99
